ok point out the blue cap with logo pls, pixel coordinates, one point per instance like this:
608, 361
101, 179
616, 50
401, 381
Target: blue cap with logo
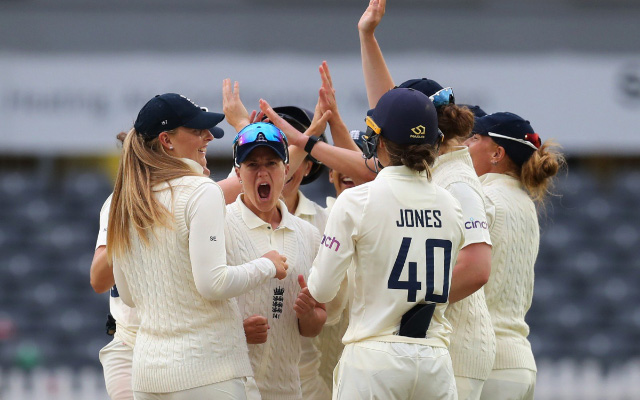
256, 135
405, 116
169, 111
510, 131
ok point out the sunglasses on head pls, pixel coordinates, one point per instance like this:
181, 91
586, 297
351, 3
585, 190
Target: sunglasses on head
443, 97
260, 132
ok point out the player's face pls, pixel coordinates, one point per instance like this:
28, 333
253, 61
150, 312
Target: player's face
191, 143
340, 182
481, 148
293, 184
262, 174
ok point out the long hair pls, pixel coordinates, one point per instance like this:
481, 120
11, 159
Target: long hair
142, 165
417, 157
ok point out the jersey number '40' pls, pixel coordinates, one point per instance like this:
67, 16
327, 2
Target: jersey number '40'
412, 285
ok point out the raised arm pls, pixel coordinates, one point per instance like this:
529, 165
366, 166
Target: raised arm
347, 162
237, 116
327, 101
377, 78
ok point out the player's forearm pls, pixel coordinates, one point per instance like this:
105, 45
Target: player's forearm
340, 133
311, 323
377, 78
101, 273
347, 162
296, 158
471, 271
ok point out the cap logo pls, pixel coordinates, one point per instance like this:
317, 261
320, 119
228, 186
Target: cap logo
190, 101
418, 132
164, 122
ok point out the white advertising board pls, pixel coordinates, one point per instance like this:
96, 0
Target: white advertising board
74, 104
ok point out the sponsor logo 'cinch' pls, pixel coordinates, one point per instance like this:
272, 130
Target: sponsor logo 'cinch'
329, 241
471, 224
418, 131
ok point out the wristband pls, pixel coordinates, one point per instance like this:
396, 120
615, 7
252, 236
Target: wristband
310, 143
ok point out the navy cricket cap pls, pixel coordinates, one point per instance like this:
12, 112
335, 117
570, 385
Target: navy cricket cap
406, 116
477, 113
301, 118
427, 86
510, 131
169, 111
256, 135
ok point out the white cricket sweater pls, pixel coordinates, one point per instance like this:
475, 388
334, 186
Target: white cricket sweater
274, 363
191, 332
516, 238
473, 345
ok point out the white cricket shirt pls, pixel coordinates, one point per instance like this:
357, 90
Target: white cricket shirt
391, 227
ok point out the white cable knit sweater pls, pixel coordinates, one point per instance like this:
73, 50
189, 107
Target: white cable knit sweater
185, 339
472, 346
516, 237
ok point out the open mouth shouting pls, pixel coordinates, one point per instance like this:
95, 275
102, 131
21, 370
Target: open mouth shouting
264, 191
347, 182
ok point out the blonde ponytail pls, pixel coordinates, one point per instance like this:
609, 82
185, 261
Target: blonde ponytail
142, 166
537, 173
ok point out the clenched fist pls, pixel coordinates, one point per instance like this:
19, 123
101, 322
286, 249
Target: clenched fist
255, 329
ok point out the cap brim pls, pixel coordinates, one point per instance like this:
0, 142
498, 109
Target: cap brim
246, 149
217, 132
206, 120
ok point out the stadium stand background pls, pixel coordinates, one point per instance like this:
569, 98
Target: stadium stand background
585, 317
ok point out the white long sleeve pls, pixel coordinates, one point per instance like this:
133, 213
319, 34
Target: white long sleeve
214, 279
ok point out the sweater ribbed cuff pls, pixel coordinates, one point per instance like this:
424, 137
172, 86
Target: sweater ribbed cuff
183, 377
514, 354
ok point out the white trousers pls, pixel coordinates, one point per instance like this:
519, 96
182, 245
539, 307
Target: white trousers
116, 358
233, 389
387, 371
469, 388
509, 384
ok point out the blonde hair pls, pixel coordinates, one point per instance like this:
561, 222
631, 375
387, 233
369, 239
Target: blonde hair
537, 173
142, 165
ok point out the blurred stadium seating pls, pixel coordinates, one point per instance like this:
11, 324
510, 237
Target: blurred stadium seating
586, 268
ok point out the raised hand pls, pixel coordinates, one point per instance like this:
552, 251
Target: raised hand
372, 16
255, 329
280, 262
232, 107
327, 94
294, 136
